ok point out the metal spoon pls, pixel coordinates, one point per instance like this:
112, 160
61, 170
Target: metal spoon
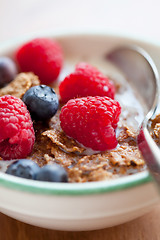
142, 73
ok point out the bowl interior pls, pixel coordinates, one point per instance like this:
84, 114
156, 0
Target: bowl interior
81, 45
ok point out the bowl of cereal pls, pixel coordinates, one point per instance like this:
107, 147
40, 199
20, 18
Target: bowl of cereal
69, 121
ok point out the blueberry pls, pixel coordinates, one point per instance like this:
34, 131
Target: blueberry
23, 168
8, 71
42, 102
52, 173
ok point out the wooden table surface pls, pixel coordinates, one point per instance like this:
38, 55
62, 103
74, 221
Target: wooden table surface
21, 17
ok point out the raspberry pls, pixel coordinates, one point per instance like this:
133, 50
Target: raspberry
42, 56
16, 129
91, 121
86, 81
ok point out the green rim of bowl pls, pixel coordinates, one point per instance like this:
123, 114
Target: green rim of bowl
30, 186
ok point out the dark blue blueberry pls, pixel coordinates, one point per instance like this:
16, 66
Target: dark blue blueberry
42, 102
52, 173
23, 168
8, 71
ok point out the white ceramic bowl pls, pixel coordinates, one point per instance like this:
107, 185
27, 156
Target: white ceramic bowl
80, 206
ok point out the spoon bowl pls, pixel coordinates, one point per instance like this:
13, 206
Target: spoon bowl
142, 74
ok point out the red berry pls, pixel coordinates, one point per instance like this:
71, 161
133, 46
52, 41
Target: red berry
16, 129
42, 56
86, 81
91, 121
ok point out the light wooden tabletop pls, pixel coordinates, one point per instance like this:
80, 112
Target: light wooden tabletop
21, 17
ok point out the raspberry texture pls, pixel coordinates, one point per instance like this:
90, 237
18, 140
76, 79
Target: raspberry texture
16, 129
91, 121
86, 81
42, 56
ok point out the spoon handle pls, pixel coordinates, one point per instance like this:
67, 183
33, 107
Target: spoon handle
150, 152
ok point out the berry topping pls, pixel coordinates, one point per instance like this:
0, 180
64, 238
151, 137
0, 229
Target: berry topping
16, 129
42, 56
91, 121
23, 168
8, 71
86, 81
52, 173
42, 102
